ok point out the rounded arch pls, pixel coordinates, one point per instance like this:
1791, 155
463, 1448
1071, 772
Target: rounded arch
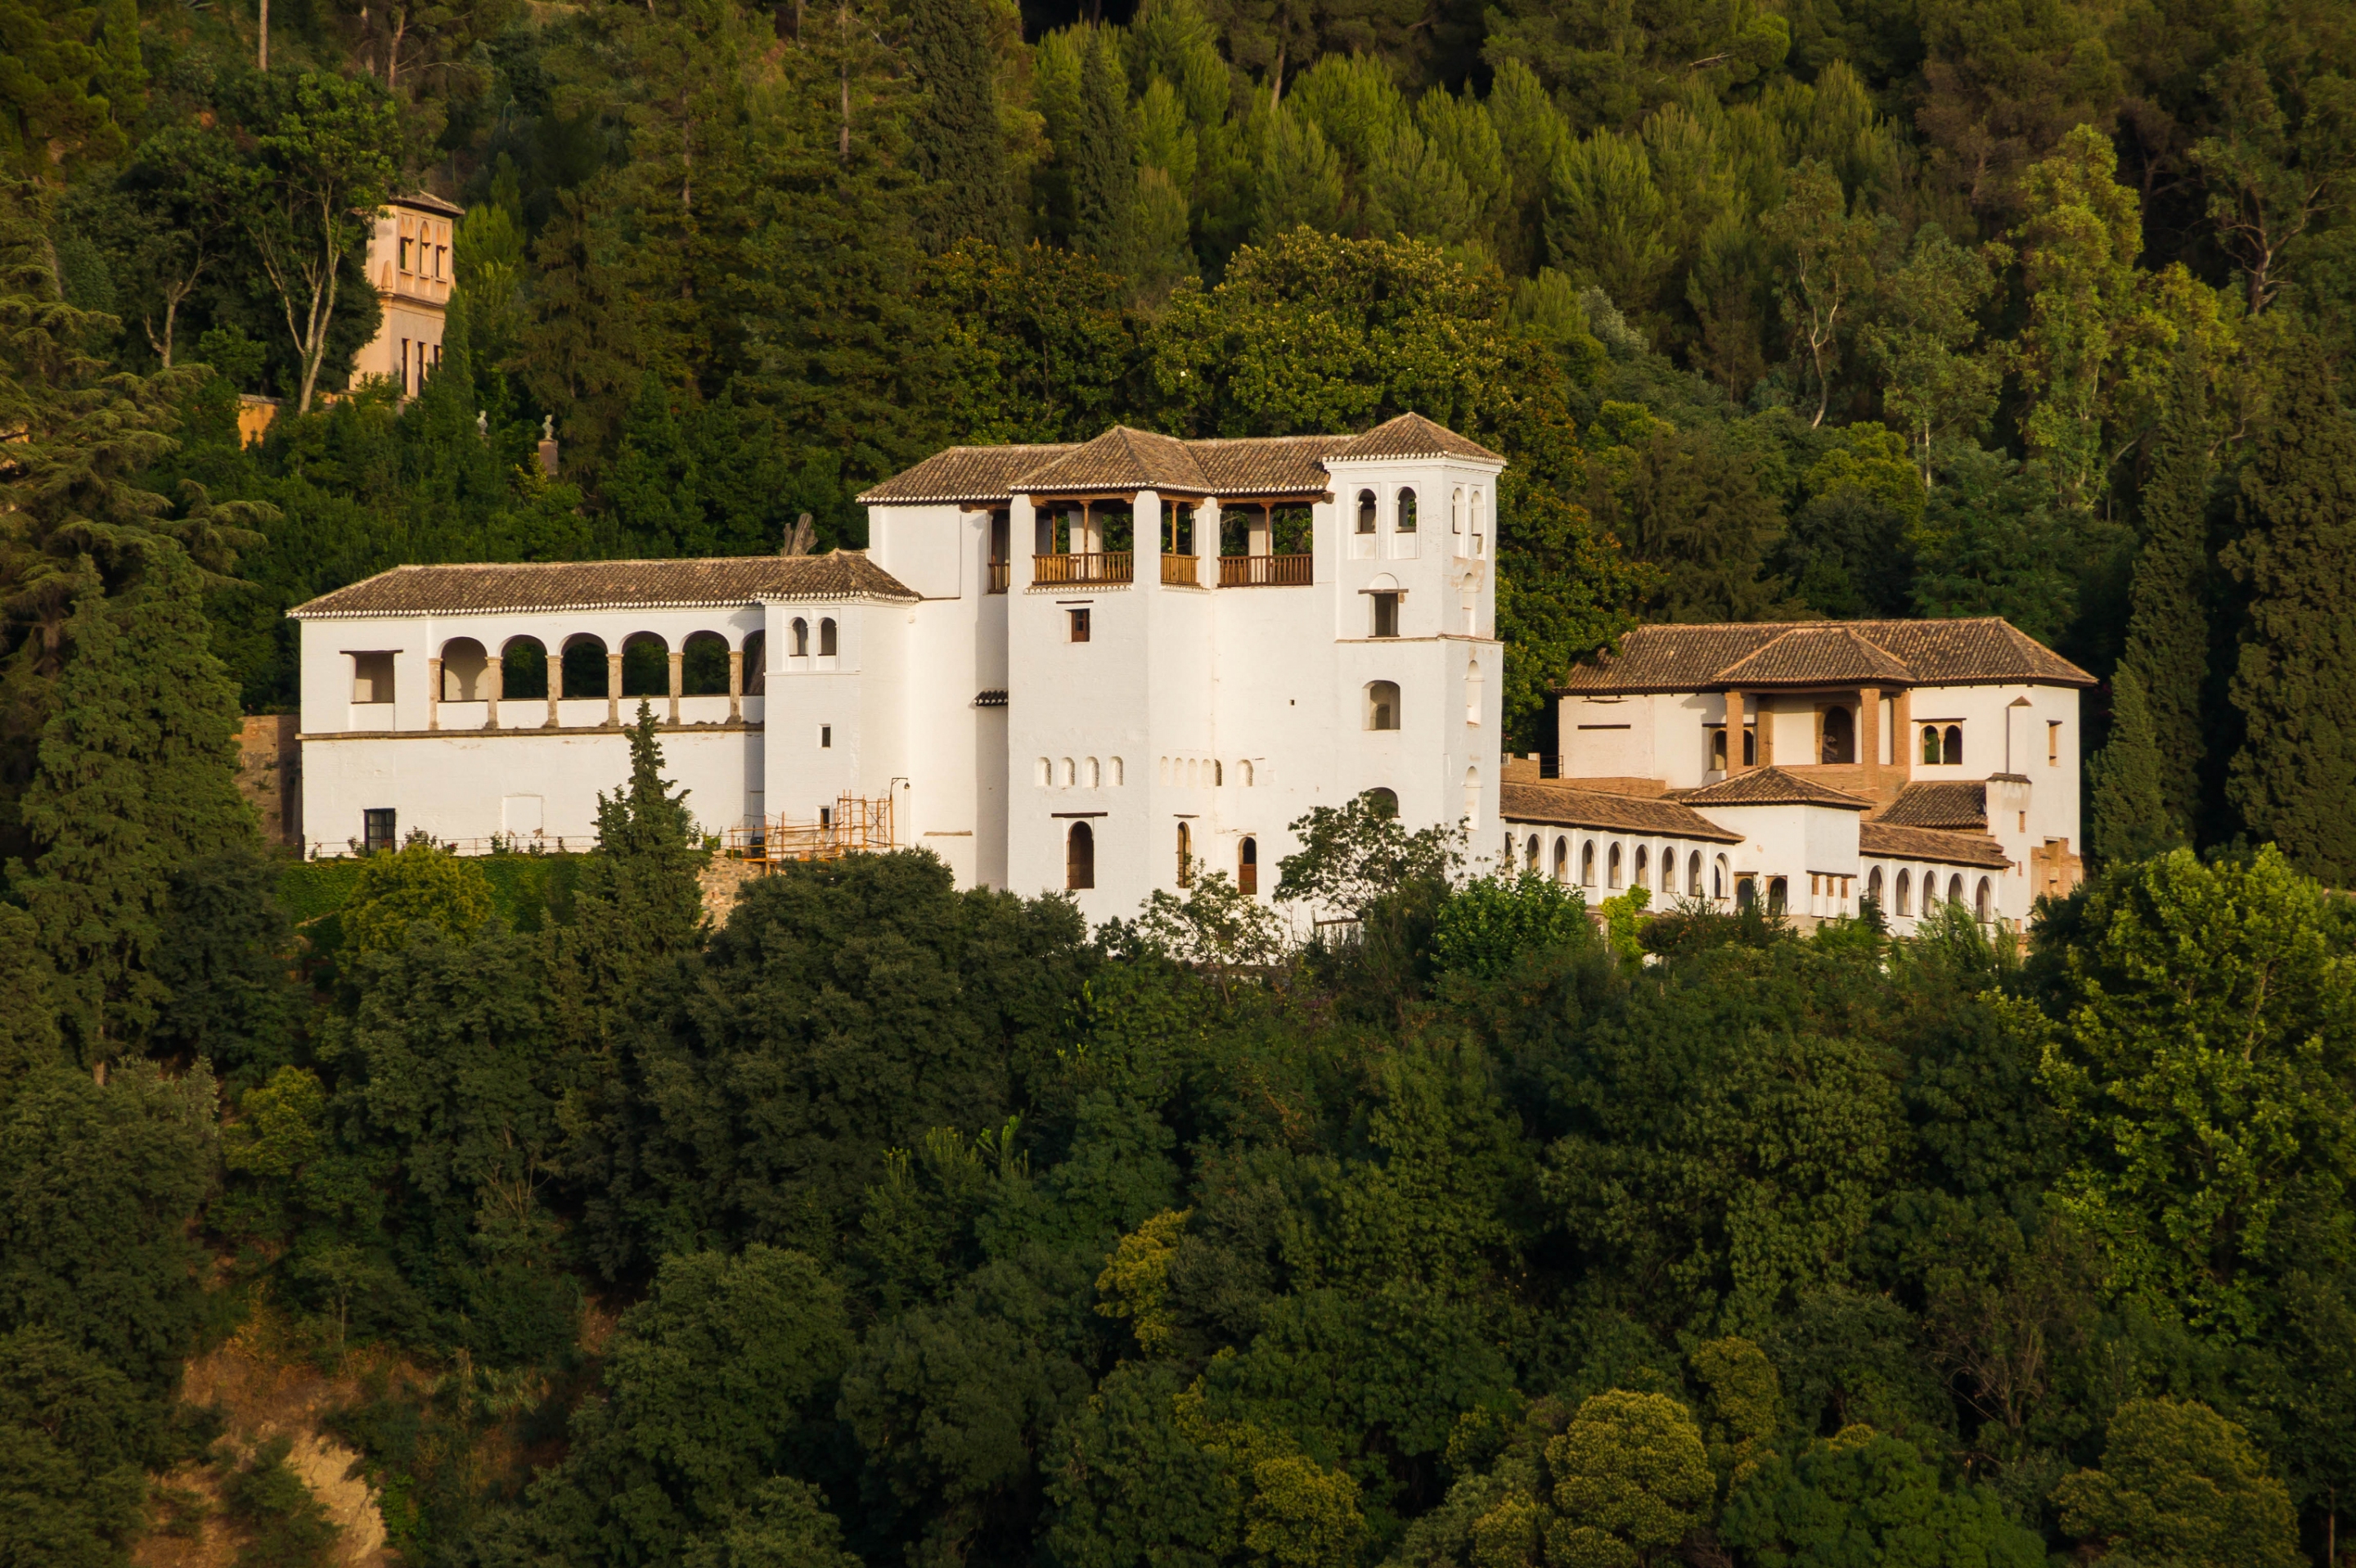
646, 666
1382, 800
1840, 735
1717, 875
1119, 772
524, 668
1745, 894
1644, 877
1956, 889
1365, 511
1456, 510
1779, 895
1080, 858
1873, 886
1382, 705
829, 639
463, 664
1045, 773
585, 666
1905, 903
1092, 773
1472, 794
1243, 772
756, 664
1218, 773
1185, 854
1693, 876
1561, 860
1247, 866
1587, 864
1983, 899
1930, 745
704, 665
1954, 747
1530, 853
1068, 773
1403, 519
1611, 866
798, 638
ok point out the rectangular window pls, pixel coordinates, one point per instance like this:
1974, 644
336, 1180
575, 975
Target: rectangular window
2052, 743
825, 737
404, 254
404, 366
372, 677
1079, 619
1385, 614
376, 829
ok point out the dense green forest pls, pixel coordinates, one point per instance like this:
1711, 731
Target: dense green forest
891, 1224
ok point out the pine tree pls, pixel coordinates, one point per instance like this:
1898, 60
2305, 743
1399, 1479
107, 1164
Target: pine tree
2168, 621
2294, 781
137, 776
954, 135
2131, 820
1103, 162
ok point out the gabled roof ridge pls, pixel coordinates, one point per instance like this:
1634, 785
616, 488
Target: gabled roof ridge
1773, 785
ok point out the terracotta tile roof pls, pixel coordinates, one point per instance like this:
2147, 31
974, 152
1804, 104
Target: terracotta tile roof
1814, 655
1126, 459
1560, 805
1899, 653
1773, 786
1880, 840
609, 584
1120, 459
1412, 435
1947, 804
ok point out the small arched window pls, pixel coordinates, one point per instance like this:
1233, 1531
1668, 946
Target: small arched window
1456, 510
1717, 879
1070, 775
1906, 893
1955, 745
826, 638
1185, 854
1119, 773
1382, 705
1247, 867
1587, 864
1611, 867
1046, 773
1080, 857
1643, 867
1563, 859
1980, 900
1403, 521
1779, 895
1218, 773
1365, 511
1956, 889
800, 638
1930, 745
1840, 736
1530, 853
1746, 894
1693, 876
1873, 886
1093, 775
1471, 796
1382, 801
1480, 523
1243, 772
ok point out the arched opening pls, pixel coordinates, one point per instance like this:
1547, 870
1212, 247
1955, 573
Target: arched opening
1382, 801
1530, 854
1980, 900
523, 669
1185, 854
1840, 736
1456, 510
1873, 887
1044, 773
1750, 745
1218, 773
1119, 773
1643, 877
826, 640
1906, 894
1930, 745
1718, 874
1693, 876
1717, 748
585, 666
1563, 859
1080, 857
463, 664
1611, 867
646, 666
1247, 866
1382, 705
1243, 772
1744, 898
1779, 895
1956, 889
756, 664
1365, 511
1069, 774
799, 638
1472, 795
1092, 776
1404, 522
704, 665
1955, 745
1587, 864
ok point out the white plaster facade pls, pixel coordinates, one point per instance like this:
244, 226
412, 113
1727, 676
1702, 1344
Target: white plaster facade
1193, 713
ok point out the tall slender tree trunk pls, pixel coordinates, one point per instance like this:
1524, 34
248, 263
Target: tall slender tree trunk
262, 55
842, 23
1276, 79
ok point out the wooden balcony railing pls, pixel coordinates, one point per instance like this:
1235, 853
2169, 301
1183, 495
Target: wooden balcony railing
998, 575
1100, 566
1178, 572
1267, 570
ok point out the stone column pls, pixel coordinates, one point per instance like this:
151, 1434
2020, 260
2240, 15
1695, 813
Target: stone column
1734, 763
677, 681
736, 685
495, 682
1869, 735
1765, 725
1260, 537
434, 694
614, 688
1901, 739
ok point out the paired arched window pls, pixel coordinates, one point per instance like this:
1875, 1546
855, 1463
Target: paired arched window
1365, 511
1382, 705
1947, 747
1456, 510
1840, 736
801, 644
1119, 772
1218, 773
1247, 866
1080, 857
826, 641
1404, 521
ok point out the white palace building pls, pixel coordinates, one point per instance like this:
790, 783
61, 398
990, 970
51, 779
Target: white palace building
1198, 642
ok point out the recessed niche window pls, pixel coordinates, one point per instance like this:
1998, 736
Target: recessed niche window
1386, 613
1382, 705
825, 737
1403, 521
826, 639
799, 638
1365, 511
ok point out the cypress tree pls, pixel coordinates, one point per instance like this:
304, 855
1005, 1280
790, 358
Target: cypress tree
1103, 162
137, 775
2131, 820
2167, 620
2294, 781
954, 135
